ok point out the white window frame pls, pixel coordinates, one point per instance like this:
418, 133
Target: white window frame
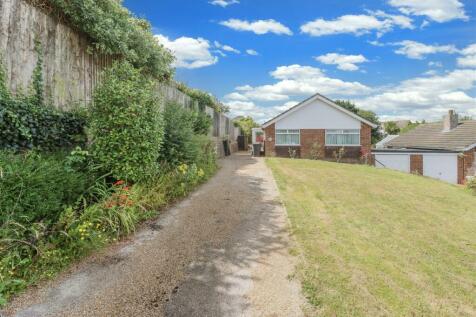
298, 133
343, 131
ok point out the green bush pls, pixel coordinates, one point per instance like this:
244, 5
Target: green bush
202, 123
115, 31
36, 187
471, 184
178, 146
126, 124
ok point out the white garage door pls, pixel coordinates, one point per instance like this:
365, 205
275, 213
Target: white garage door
441, 166
399, 162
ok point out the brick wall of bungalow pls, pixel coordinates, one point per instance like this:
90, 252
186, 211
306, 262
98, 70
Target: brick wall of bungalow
309, 137
465, 162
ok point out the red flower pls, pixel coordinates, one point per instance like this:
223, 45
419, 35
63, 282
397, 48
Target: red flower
118, 183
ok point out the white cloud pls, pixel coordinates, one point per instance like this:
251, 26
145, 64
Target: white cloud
436, 10
252, 52
469, 56
425, 97
236, 96
286, 106
259, 113
258, 27
375, 21
297, 80
227, 48
189, 52
343, 62
290, 81
417, 50
223, 3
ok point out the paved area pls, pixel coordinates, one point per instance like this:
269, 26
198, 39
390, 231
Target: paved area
221, 252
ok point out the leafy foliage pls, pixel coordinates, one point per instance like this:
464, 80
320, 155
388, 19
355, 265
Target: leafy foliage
126, 124
366, 114
202, 122
114, 31
391, 128
471, 184
178, 146
246, 124
35, 187
204, 99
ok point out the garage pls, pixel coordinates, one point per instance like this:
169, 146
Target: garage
442, 166
394, 161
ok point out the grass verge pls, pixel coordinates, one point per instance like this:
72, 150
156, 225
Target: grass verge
377, 242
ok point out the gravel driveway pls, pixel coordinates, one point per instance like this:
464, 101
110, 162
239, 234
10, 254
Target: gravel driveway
221, 252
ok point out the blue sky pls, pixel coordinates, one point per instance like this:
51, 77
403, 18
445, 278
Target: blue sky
400, 58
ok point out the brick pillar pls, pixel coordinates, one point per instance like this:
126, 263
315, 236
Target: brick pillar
416, 164
365, 138
269, 134
461, 171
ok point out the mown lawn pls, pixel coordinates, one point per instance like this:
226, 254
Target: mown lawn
376, 242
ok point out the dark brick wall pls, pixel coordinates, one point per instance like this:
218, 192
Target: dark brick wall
283, 151
416, 164
269, 133
465, 162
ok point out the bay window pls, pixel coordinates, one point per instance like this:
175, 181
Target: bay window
349, 137
288, 137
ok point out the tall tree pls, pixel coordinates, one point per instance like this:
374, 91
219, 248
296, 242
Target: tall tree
391, 127
246, 124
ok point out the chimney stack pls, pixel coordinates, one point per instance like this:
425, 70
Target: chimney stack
450, 121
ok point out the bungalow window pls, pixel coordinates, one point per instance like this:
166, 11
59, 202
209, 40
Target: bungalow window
288, 137
343, 137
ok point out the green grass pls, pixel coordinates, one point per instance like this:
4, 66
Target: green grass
376, 242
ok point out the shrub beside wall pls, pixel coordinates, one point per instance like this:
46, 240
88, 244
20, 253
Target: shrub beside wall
126, 124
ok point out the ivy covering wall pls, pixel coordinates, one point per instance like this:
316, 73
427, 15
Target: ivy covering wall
113, 30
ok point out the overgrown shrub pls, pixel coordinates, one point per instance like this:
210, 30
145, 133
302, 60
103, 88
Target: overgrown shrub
178, 146
204, 99
115, 31
35, 187
202, 123
471, 184
126, 124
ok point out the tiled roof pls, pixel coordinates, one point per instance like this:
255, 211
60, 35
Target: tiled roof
431, 136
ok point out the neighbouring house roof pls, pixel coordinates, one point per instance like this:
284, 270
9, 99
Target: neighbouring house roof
381, 144
324, 100
432, 136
